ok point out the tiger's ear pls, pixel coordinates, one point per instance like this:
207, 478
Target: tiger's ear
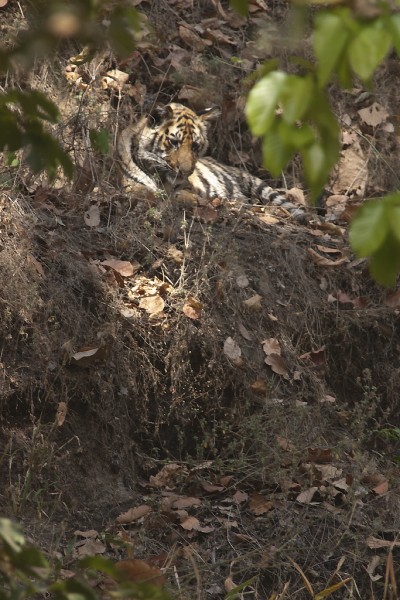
209, 114
160, 114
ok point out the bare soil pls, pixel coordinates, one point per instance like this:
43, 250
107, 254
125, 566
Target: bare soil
157, 384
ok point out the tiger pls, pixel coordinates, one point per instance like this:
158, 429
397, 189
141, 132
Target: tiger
165, 151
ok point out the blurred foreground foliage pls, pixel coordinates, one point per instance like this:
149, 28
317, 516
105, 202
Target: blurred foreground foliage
350, 40
25, 114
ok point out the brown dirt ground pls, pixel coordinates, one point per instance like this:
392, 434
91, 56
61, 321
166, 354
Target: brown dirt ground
159, 389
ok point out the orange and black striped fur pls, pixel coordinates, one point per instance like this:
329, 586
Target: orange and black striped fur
167, 151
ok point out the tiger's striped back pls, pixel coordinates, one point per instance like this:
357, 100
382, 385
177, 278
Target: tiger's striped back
165, 151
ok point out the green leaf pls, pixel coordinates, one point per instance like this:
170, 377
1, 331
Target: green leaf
344, 72
10, 133
99, 563
296, 97
369, 228
385, 262
368, 49
276, 152
241, 6
329, 40
11, 159
124, 25
263, 100
100, 140
29, 559
239, 588
394, 220
295, 136
11, 534
318, 161
393, 25
72, 589
314, 160
45, 151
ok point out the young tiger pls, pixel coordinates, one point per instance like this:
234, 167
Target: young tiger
166, 152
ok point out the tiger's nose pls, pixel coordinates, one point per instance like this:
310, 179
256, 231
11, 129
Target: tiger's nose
185, 161
185, 169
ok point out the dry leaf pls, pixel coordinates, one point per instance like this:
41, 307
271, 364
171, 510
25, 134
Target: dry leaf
189, 92
211, 488
215, 35
336, 200
186, 502
328, 472
320, 455
328, 249
92, 216
316, 356
388, 127
256, 5
285, 444
374, 115
229, 585
242, 281
381, 488
271, 346
259, 505
87, 356
123, 267
268, 219
175, 254
393, 299
307, 496
193, 524
168, 475
373, 542
115, 79
341, 484
61, 414
192, 39
133, 514
35, 264
233, 352
253, 303
351, 174
246, 334
328, 399
259, 386
278, 365
322, 261
332, 228
240, 497
91, 533
225, 480
372, 565
138, 571
152, 304
206, 214
192, 308
89, 548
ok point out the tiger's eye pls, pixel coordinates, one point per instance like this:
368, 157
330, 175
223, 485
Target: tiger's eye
174, 142
195, 146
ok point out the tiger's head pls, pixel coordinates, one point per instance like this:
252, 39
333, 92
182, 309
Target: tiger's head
180, 136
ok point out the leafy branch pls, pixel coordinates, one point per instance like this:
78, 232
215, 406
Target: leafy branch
24, 114
346, 46
25, 573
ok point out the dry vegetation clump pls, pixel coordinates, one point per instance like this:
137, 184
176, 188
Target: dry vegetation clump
221, 363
